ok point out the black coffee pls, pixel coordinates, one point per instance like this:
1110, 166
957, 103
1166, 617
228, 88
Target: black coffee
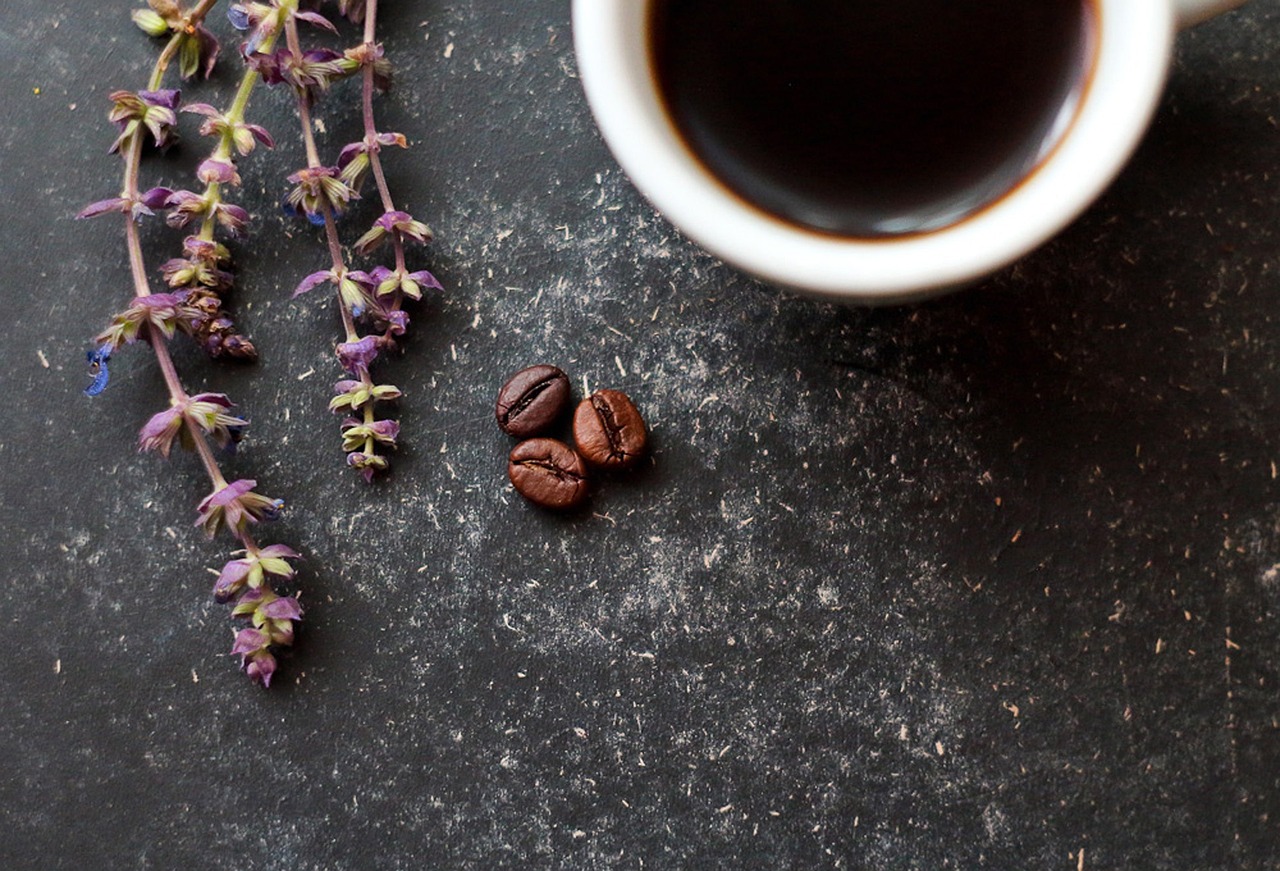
870, 118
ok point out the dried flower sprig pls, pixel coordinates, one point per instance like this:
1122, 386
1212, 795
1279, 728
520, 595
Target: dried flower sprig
323, 193
253, 581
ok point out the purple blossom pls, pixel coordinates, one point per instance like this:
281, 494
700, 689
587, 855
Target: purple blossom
411, 284
231, 580
235, 506
260, 667
356, 356
317, 190
356, 291
353, 160
159, 432
166, 312
249, 640
399, 224
233, 219
397, 322
366, 464
144, 204
185, 207
370, 55
200, 267
357, 435
209, 412
212, 171
156, 110
385, 431
198, 52
284, 608
244, 136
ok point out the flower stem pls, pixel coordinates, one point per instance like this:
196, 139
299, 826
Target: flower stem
137, 264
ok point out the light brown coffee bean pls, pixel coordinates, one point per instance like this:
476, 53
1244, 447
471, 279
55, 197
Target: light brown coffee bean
549, 473
609, 431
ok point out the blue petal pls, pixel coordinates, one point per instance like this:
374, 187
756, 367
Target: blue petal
239, 17
316, 218
98, 358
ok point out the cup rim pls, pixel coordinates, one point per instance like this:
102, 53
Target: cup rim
1134, 44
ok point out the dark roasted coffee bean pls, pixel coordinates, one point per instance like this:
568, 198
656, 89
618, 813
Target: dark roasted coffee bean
549, 473
532, 400
609, 431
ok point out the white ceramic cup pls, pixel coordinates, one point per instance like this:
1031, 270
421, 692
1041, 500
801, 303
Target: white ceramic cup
1133, 47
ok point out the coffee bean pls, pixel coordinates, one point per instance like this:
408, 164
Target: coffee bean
532, 400
609, 431
549, 473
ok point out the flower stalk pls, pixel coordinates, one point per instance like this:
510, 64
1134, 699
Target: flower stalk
323, 193
191, 420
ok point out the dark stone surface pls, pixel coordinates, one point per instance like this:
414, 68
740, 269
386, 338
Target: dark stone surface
985, 582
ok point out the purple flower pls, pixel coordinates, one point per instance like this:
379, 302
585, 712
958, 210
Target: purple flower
366, 464
103, 207
252, 571
410, 284
356, 290
159, 432
209, 412
232, 218
370, 55
185, 207
197, 47
251, 645
236, 505
200, 267
249, 640
166, 312
384, 431
198, 52
353, 160
279, 552
312, 71
260, 667
317, 190
244, 136
98, 358
357, 434
143, 204
213, 171
155, 110
393, 223
231, 580
355, 357
284, 608
352, 395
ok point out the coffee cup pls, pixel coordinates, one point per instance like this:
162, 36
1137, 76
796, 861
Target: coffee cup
939, 188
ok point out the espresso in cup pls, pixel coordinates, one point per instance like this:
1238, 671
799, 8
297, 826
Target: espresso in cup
872, 118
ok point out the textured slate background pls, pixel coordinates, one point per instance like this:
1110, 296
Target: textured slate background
986, 582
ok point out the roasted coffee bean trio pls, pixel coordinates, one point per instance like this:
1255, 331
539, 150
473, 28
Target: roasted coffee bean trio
608, 432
